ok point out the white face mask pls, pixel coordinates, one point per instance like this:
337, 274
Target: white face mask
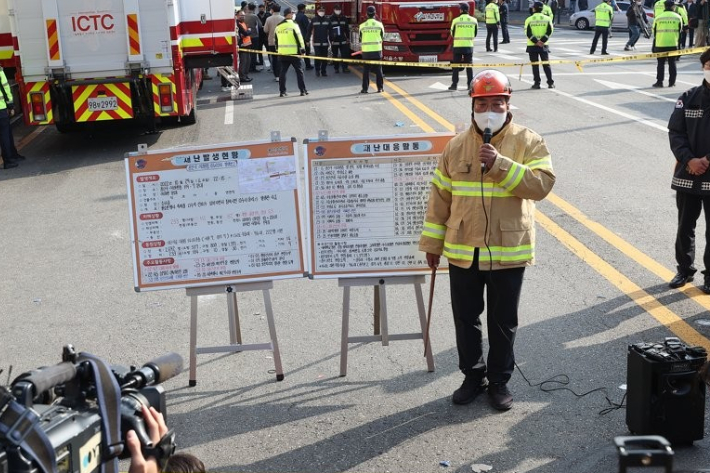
337, 12
707, 76
492, 120
321, 13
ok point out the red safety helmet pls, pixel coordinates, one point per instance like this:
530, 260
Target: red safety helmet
490, 83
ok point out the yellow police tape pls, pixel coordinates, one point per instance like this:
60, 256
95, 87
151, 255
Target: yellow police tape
445, 65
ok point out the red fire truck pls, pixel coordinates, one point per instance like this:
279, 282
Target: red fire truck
415, 30
81, 61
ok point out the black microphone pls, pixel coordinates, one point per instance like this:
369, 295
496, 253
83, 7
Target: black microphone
486, 139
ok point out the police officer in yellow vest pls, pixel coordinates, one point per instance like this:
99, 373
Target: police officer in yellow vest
371, 35
463, 29
10, 155
604, 15
546, 10
492, 23
666, 33
538, 29
659, 7
289, 41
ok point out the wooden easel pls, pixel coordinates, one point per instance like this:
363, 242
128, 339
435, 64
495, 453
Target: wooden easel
381, 328
235, 334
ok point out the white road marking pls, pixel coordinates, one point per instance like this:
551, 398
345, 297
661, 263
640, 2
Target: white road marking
229, 113
632, 88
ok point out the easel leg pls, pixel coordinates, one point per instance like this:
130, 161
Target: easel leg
344, 332
377, 310
383, 315
422, 321
272, 332
193, 341
231, 303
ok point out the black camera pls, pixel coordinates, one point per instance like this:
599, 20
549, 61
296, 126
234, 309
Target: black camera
73, 417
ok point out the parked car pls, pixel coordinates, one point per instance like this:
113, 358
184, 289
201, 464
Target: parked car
586, 19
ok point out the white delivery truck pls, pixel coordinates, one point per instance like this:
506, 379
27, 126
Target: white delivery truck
81, 61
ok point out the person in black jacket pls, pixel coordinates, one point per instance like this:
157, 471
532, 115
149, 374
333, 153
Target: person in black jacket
503, 10
340, 37
690, 142
305, 25
320, 37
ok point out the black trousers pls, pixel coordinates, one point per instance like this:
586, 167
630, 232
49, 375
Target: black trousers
536, 56
285, 62
7, 142
371, 56
257, 59
274, 59
459, 58
602, 31
503, 297
689, 207
321, 51
504, 30
491, 32
342, 51
661, 67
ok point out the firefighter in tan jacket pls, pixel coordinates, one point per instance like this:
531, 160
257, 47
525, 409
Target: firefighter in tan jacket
480, 216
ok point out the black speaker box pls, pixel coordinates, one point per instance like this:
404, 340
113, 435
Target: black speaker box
665, 395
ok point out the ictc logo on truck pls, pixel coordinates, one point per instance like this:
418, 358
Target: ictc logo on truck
93, 23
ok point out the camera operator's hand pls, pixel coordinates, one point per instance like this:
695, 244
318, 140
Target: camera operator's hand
155, 425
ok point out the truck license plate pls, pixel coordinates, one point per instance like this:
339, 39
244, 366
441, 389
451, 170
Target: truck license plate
100, 104
428, 58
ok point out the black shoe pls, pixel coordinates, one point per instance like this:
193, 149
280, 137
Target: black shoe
304, 92
706, 286
283, 94
324, 74
550, 85
246, 79
500, 396
379, 91
657, 84
9, 165
472, 386
19, 157
680, 279
536, 85
308, 68
604, 53
317, 74
453, 87
337, 71
363, 91
488, 50
671, 84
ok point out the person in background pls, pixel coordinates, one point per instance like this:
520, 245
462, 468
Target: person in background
636, 18
538, 29
254, 24
492, 22
701, 32
372, 34
464, 29
305, 25
690, 143
604, 15
263, 37
681, 10
289, 43
470, 175
340, 39
270, 28
503, 10
666, 32
320, 39
692, 21
244, 41
184, 463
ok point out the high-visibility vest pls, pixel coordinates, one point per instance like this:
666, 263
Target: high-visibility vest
604, 14
371, 33
547, 10
464, 28
8, 91
288, 36
536, 26
492, 14
659, 7
666, 29
680, 9
246, 39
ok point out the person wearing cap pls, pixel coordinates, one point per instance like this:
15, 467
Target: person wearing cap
305, 25
340, 38
464, 29
666, 33
637, 21
372, 34
480, 216
538, 29
603, 15
320, 39
289, 43
270, 25
492, 13
690, 143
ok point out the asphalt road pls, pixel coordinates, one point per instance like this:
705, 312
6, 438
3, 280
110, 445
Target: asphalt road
604, 254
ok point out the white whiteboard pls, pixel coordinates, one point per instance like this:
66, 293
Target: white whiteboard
366, 202
215, 215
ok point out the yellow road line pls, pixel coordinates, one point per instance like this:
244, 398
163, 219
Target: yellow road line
627, 249
646, 301
649, 303
27, 139
399, 106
